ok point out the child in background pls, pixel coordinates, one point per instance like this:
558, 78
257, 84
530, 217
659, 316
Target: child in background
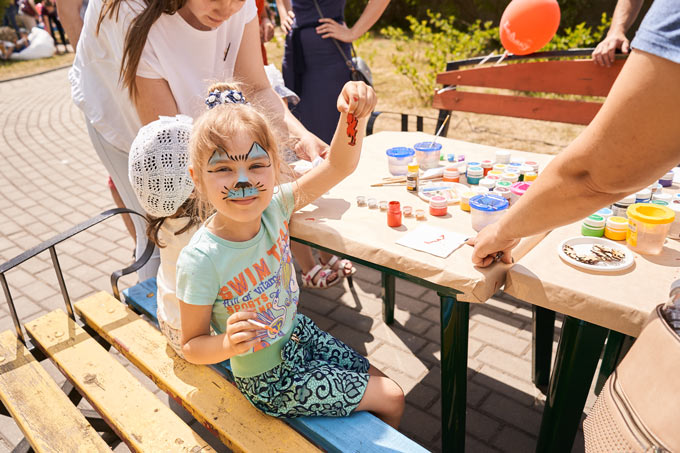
158, 171
237, 275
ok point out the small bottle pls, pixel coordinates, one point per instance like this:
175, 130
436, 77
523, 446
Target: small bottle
408, 211
671, 309
620, 207
412, 177
383, 205
394, 214
487, 165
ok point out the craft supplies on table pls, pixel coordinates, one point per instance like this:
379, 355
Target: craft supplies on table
620, 207
643, 196
593, 226
474, 174
595, 254
667, 179
648, 226
451, 191
605, 212
616, 228
451, 174
503, 156
427, 154
486, 209
530, 176
394, 214
662, 196
465, 200
361, 201
398, 159
438, 206
517, 190
412, 177
674, 232
435, 241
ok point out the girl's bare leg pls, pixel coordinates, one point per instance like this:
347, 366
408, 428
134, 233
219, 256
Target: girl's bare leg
383, 397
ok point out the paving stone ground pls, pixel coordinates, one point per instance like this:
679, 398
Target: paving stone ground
51, 179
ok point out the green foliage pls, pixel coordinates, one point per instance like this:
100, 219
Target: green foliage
428, 45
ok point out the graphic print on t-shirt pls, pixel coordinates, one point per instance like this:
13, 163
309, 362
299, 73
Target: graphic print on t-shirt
274, 295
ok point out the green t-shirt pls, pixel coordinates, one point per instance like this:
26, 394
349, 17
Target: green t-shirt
257, 273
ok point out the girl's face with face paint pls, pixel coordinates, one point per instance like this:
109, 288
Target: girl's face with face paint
239, 183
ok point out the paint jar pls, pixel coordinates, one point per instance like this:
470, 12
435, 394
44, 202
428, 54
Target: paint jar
489, 184
662, 196
523, 170
593, 226
643, 196
460, 158
372, 203
361, 201
674, 232
407, 210
616, 228
605, 212
427, 154
510, 177
487, 209
451, 174
451, 157
533, 164
655, 188
648, 226
500, 167
494, 178
394, 214
474, 174
530, 176
420, 214
473, 164
438, 205
465, 200
667, 179
505, 184
502, 156
498, 173
487, 165
620, 208
383, 205
513, 168
398, 159
516, 161
412, 177
517, 190
659, 202
503, 192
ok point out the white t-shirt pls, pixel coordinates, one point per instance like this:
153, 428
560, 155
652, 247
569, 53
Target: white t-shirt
187, 58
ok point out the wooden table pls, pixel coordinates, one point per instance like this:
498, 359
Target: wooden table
593, 303
336, 224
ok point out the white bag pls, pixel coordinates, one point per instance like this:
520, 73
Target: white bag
41, 45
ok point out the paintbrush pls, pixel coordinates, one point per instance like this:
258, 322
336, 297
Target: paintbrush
441, 128
264, 326
432, 173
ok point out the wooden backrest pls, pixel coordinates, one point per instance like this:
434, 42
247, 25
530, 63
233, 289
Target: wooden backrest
580, 77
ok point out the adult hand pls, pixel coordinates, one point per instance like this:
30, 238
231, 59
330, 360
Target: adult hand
287, 20
240, 333
604, 53
357, 98
488, 244
331, 29
266, 30
309, 146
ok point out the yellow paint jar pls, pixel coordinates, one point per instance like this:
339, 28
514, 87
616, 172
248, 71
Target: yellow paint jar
465, 200
616, 228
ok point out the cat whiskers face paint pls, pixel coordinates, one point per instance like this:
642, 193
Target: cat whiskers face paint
256, 158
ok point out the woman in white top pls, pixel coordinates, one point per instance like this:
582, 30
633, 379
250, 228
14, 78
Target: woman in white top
137, 61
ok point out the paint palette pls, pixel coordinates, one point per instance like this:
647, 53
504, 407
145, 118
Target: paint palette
449, 190
597, 254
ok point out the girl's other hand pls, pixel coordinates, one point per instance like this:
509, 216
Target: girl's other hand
331, 29
287, 20
488, 244
357, 98
241, 333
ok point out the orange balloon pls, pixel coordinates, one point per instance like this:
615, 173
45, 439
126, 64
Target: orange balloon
528, 25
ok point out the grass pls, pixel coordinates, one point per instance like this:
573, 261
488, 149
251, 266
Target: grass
395, 94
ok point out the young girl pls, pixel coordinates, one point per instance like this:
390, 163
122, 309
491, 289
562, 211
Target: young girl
237, 275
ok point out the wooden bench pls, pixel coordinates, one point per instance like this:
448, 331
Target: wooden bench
131, 412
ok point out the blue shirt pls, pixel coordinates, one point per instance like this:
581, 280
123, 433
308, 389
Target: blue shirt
659, 32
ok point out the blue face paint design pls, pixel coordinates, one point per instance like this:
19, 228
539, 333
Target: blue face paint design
243, 188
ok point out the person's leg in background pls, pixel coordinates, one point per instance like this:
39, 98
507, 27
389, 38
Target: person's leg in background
116, 163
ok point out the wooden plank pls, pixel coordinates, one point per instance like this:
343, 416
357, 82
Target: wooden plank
133, 412
43, 412
574, 112
215, 402
582, 77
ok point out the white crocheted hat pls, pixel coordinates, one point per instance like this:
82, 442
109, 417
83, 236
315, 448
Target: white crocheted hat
158, 165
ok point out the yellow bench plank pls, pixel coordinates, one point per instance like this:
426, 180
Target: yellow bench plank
210, 398
43, 412
132, 411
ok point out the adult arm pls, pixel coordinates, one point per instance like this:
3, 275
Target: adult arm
630, 143
249, 69
286, 15
625, 13
154, 99
69, 15
331, 29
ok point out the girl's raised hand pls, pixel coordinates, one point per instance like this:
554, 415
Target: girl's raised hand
240, 332
357, 98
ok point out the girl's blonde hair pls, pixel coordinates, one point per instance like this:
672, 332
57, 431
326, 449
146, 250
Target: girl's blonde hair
216, 127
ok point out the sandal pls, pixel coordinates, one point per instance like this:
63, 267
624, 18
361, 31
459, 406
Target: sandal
322, 281
343, 267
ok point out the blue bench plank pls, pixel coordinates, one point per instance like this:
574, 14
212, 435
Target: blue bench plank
360, 432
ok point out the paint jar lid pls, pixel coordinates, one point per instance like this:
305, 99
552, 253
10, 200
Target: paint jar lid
617, 223
461, 158
656, 187
500, 167
400, 152
412, 167
465, 196
533, 164
513, 177
394, 206
489, 202
513, 167
668, 175
495, 173
644, 194
488, 183
594, 221
487, 163
662, 196
524, 169
474, 164
475, 171
605, 212
505, 184
451, 157
517, 161
650, 213
630, 199
427, 147
660, 202
451, 172
502, 191
502, 156
494, 178
519, 188
438, 202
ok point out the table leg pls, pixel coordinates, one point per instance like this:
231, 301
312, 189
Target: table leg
388, 289
616, 348
454, 353
578, 351
543, 330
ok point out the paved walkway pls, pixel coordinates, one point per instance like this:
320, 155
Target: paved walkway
51, 179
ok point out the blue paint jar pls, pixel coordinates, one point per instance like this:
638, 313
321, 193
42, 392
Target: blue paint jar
474, 175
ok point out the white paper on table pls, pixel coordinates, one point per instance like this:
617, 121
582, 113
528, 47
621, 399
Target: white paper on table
433, 240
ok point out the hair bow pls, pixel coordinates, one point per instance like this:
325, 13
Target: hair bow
218, 97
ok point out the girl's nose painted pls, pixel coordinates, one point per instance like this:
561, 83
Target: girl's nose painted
243, 187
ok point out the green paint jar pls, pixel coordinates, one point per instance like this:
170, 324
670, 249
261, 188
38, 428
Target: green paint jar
593, 226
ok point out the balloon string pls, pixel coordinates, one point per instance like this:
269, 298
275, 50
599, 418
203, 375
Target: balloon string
505, 54
485, 59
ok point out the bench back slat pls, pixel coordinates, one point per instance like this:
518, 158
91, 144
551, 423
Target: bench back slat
43, 412
580, 77
212, 400
137, 416
574, 112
